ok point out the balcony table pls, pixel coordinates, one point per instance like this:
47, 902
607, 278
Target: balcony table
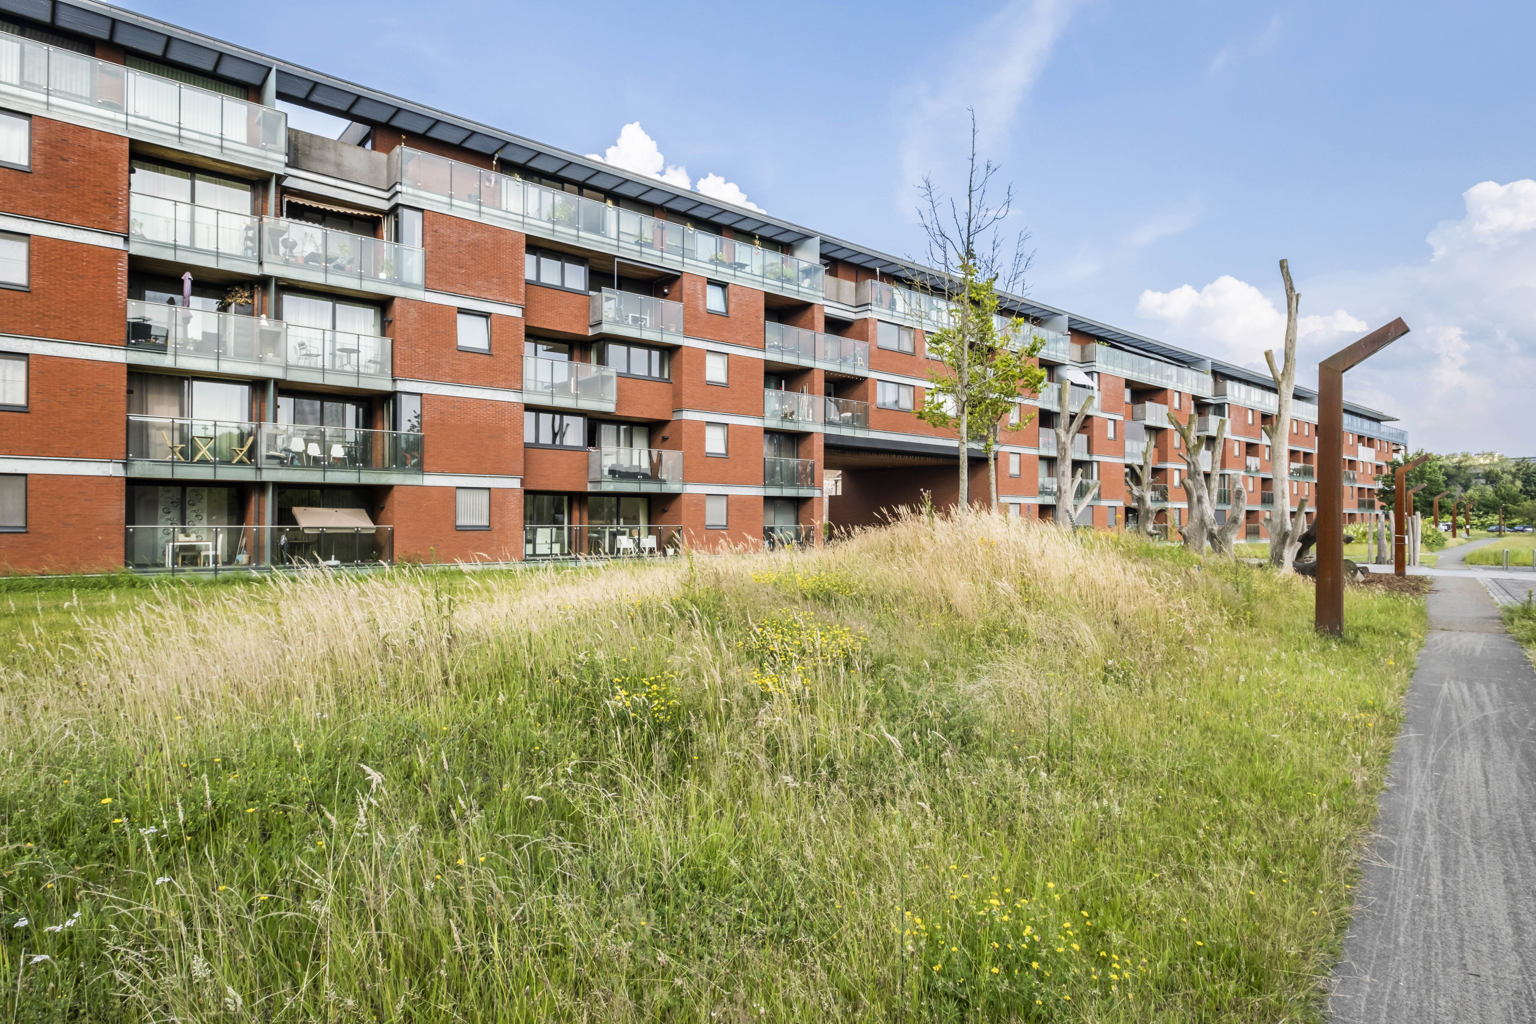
174, 549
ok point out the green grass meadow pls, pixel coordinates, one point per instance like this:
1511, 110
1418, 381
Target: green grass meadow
1520, 548
941, 771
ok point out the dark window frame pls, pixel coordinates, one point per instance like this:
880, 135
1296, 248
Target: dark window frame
4, 527
535, 415
725, 298
27, 119
457, 523
566, 261
662, 356
26, 285
725, 522
458, 334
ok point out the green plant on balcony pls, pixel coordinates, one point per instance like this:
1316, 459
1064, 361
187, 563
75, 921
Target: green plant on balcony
564, 212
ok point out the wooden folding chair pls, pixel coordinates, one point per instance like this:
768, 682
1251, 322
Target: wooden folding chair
174, 452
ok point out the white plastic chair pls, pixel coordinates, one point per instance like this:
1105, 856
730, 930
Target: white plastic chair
338, 453
295, 449
648, 545
313, 451
624, 545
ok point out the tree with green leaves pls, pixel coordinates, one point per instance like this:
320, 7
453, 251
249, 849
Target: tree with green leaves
1428, 476
985, 369
1001, 367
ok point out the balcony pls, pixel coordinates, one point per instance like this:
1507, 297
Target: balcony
1301, 471
789, 476
1247, 396
212, 549
1365, 504
1134, 451
898, 302
566, 385
82, 90
1050, 398
1048, 490
1160, 494
841, 292
1048, 444
643, 317
1350, 476
199, 235
560, 540
845, 416
787, 535
1252, 464
1133, 366
508, 201
1266, 499
308, 252
201, 341
634, 469
785, 344
1304, 410
1153, 414
1207, 426
194, 449
792, 410
1373, 428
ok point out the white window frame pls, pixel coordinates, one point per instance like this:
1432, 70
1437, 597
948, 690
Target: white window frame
717, 368
25, 282
1015, 464
19, 481
1109, 427
466, 514
904, 393
25, 163
17, 400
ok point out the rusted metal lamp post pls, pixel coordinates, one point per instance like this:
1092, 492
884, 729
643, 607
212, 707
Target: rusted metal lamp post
1400, 516
1437, 507
1455, 506
1328, 614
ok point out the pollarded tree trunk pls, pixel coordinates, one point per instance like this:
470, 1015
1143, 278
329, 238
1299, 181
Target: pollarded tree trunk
1067, 426
1199, 484
1285, 530
1138, 478
1224, 537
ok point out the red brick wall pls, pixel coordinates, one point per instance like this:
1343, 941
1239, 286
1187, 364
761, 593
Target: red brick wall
74, 524
426, 347
77, 409
473, 259
423, 519
466, 435
78, 293
79, 176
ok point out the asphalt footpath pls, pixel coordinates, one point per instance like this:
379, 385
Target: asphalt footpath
1444, 925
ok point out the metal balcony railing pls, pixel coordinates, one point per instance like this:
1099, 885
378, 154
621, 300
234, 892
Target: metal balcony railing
72, 87
560, 540
177, 446
636, 316
845, 414
187, 232
634, 469
789, 473
297, 249
792, 409
226, 548
785, 344
569, 385
1153, 414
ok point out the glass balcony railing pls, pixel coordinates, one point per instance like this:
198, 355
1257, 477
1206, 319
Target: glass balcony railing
1373, 428
1304, 410
1050, 398
636, 316
177, 446
1247, 396
637, 469
1134, 366
569, 385
792, 409
1350, 476
1266, 499
212, 549
1300, 471
1209, 425
82, 90
785, 344
845, 414
196, 339
841, 292
896, 301
1153, 414
559, 540
1252, 463
792, 473
295, 249
1048, 491
549, 213
1135, 450
1049, 446
185, 232
789, 535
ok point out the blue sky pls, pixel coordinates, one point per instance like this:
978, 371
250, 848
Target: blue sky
1164, 156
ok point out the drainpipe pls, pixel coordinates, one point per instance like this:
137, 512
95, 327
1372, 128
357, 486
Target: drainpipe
266, 505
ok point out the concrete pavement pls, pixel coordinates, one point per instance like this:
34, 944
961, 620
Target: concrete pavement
1444, 926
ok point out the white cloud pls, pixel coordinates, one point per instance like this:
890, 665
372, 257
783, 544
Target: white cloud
935, 136
636, 151
1165, 225
1247, 47
1463, 377
716, 187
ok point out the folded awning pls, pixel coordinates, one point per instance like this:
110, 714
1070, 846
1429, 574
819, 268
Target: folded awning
316, 204
316, 520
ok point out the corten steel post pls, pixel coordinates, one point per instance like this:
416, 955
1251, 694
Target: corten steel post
1437, 507
1328, 614
1455, 505
1466, 517
1400, 517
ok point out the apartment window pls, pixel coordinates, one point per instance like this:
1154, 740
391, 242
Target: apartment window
13, 504
635, 360
1175, 478
893, 396
1013, 416
716, 368
1250, 417
474, 332
715, 297
554, 429
408, 227
1013, 464
472, 508
13, 382
1109, 427
1176, 398
15, 140
714, 511
1111, 522
14, 261
1237, 449
187, 186
894, 337
715, 439
556, 270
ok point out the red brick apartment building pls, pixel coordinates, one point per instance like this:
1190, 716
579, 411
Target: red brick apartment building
224, 342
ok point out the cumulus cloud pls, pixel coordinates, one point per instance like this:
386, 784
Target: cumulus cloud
636, 151
935, 137
716, 187
1461, 380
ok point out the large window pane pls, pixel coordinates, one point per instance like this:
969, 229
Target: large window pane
13, 503
166, 182
474, 332
13, 381
472, 508
222, 193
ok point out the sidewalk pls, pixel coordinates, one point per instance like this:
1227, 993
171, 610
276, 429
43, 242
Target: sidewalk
1444, 926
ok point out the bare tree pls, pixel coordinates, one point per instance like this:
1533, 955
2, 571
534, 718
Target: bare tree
1138, 482
1285, 529
966, 244
1068, 508
1202, 488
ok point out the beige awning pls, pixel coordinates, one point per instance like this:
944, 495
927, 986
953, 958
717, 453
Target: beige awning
316, 204
315, 520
